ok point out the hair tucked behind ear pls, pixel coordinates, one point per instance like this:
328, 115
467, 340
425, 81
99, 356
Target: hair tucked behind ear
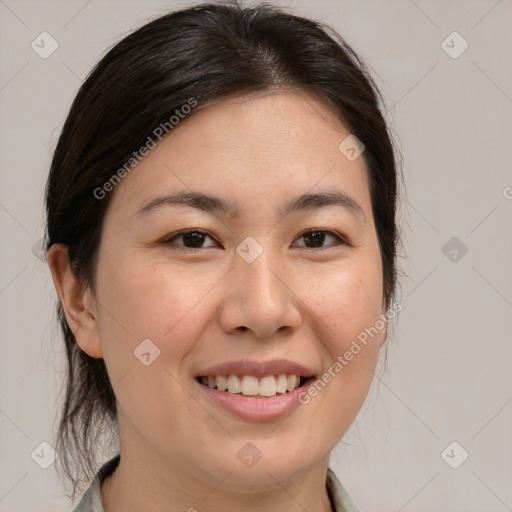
207, 52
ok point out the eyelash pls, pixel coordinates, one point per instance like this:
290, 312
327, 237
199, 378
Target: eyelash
340, 240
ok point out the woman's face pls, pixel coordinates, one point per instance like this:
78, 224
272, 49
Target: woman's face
272, 279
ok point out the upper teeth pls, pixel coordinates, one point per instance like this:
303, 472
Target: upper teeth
250, 385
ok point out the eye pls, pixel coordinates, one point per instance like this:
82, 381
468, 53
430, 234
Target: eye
191, 239
315, 238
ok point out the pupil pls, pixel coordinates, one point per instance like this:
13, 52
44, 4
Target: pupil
193, 239
317, 238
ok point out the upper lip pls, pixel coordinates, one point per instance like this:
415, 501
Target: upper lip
257, 368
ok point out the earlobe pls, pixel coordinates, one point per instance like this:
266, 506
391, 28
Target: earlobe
77, 301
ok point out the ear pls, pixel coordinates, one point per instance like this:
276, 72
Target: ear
77, 301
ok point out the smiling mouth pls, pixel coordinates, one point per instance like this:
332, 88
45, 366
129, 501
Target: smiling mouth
249, 386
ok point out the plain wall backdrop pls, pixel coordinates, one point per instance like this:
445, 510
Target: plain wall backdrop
448, 375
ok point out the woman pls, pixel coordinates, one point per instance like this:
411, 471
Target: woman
222, 237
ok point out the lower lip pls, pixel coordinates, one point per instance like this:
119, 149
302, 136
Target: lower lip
256, 409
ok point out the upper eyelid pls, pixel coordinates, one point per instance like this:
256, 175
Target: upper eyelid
186, 231
340, 237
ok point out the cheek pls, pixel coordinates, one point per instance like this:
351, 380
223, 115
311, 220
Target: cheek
347, 305
142, 299
346, 300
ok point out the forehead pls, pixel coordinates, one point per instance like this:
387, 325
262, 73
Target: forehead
253, 149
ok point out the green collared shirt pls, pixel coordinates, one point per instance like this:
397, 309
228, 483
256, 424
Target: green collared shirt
91, 500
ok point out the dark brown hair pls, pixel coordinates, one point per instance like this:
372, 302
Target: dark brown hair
207, 52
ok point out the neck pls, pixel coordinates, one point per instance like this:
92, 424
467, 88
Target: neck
143, 484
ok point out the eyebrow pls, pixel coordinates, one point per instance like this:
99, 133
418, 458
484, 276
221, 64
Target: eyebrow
216, 205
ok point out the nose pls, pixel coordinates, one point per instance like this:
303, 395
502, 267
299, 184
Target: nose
259, 299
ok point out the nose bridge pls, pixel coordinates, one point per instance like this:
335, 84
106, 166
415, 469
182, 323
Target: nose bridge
260, 277
259, 297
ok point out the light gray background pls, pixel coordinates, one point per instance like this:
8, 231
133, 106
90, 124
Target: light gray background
448, 376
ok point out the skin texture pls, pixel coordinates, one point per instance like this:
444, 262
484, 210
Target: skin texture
204, 306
